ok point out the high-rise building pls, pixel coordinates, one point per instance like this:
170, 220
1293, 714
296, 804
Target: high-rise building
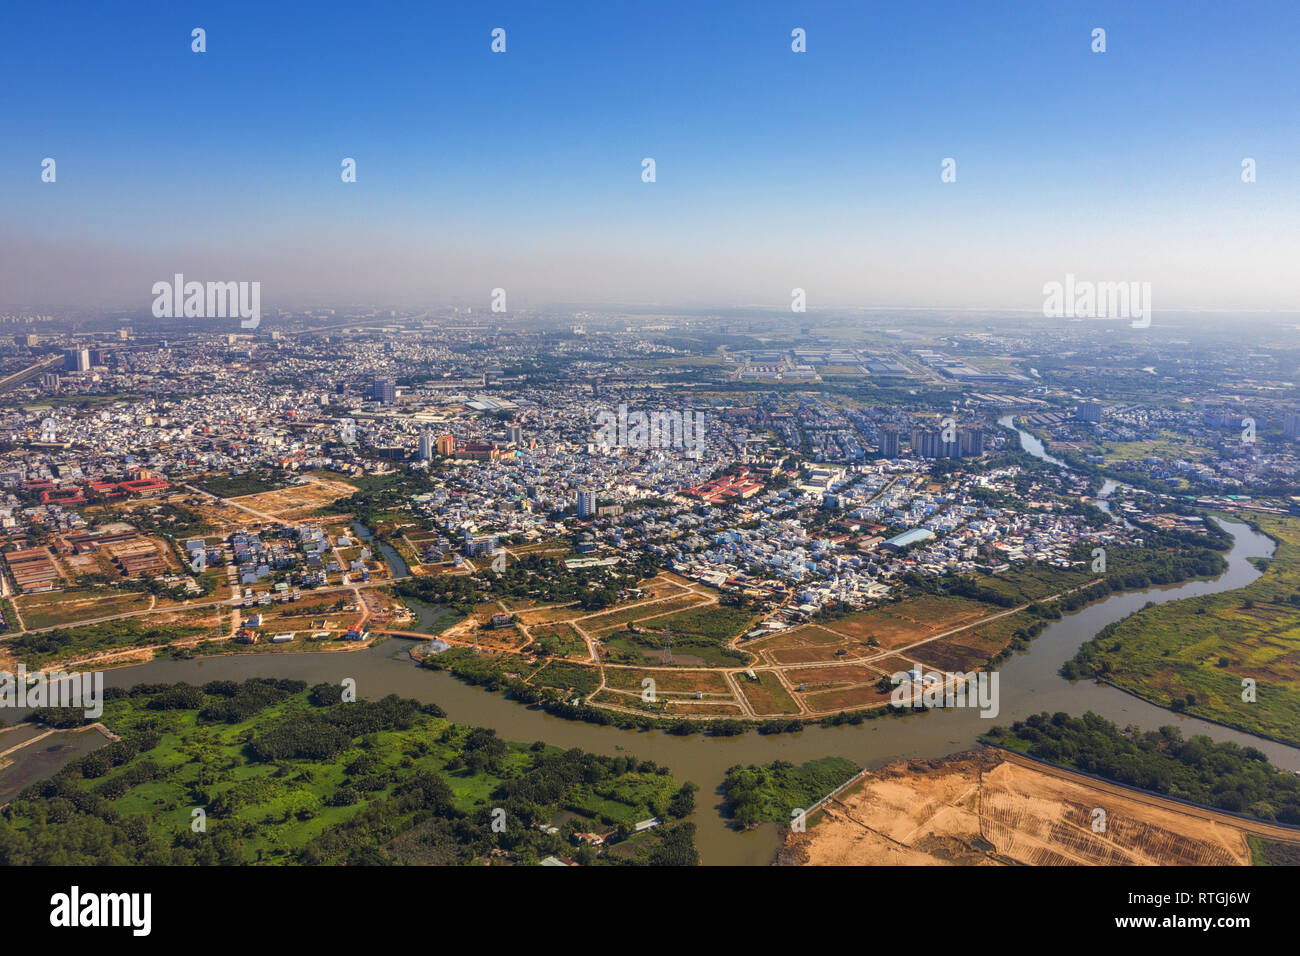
1088, 411
76, 360
889, 447
384, 391
514, 434
972, 441
586, 503
966, 442
476, 546
929, 443
447, 445
1291, 425
426, 446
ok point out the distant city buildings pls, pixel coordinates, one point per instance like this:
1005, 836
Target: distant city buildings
964, 442
76, 360
1291, 426
889, 444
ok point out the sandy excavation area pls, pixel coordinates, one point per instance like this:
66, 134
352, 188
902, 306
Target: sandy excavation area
979, 809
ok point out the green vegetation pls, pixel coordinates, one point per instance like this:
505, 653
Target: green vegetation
563, 676
10, 622
1272, 852
697, 633
1194, 655
1224, 776
38, 649
234, 486
535, 577
169, 519
507, 673
1167, 560
772, 792
290, 776
383, 498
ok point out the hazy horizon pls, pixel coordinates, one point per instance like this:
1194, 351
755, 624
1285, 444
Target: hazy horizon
775, 170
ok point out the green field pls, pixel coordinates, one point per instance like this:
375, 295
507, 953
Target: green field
235, 486
284, 775
36, 650
698, 634
1193, 655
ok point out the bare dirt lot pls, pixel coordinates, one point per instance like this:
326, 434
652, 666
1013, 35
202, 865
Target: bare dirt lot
297, 501
984, 808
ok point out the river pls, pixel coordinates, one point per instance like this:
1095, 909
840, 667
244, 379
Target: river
1029, 684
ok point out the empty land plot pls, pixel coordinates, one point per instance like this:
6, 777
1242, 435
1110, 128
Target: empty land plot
972, 647
672, 578
137, 636
893, 663
802, 636
954, 654
802, 645
501, 638
224, 518
906, 622
550, 615
610, 620
978, 808
619, 698
837, 675
1037, 818
847, 698
542, 547
663, 586
701, 708
295, 500
57, 608
519, 604
179, 616
707, 629
565, 676
559, 640
667, 681
767, 696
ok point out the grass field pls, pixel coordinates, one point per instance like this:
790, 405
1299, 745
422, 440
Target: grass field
767, 696
698, 635
58, 608
1193, 655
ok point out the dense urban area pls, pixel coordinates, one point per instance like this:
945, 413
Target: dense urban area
679, 524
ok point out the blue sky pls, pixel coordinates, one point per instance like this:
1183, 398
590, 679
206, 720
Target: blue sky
774, 168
